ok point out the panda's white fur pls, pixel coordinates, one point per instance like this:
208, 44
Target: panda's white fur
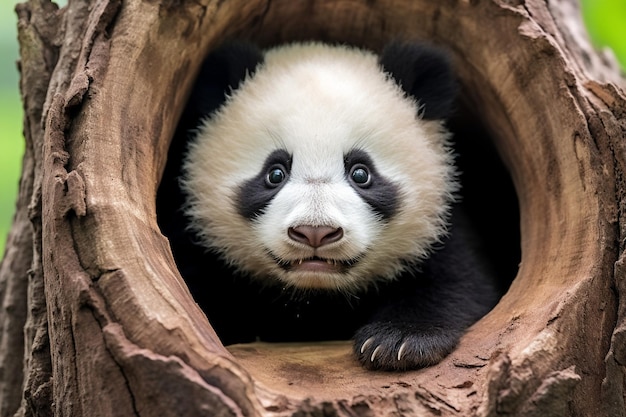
319, 102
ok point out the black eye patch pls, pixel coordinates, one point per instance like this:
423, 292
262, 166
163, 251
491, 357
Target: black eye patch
377, 191
256, 193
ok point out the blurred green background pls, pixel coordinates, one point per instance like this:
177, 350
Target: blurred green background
606, 20
11, 139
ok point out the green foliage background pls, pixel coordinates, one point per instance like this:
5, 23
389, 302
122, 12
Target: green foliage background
11, 138
606, 21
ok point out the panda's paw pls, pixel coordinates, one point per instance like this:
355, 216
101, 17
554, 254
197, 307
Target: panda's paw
390, 347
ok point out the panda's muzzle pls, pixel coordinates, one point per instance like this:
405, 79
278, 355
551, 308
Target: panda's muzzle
315, 237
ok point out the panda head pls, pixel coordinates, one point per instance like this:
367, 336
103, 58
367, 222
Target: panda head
327, 167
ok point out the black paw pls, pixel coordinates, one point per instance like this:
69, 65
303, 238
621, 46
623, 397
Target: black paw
401, 346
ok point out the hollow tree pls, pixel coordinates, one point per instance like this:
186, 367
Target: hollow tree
97, 321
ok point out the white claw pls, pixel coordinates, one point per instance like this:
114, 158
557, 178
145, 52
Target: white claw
374, 353
366, 344
401, 350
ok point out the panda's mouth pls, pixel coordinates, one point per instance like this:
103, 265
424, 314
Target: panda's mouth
316, 264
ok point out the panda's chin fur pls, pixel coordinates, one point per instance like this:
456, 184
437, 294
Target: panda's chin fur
317, 277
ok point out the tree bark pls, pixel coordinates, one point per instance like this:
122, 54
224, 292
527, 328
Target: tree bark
96, 320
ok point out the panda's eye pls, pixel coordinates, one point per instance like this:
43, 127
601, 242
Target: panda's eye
275, 175
360, 175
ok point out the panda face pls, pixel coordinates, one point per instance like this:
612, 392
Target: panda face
318, 172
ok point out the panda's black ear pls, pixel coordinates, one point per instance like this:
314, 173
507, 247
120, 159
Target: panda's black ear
424, 72
222, 71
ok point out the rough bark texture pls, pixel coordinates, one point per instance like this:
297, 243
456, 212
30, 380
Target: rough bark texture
96, 320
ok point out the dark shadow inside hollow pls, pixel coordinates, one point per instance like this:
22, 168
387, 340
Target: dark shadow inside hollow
487, 193
231, 301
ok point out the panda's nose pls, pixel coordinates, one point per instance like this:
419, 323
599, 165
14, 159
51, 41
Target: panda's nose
315, 236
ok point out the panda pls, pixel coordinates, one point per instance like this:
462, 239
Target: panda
311, 194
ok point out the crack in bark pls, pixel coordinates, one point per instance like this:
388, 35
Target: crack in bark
146, 363
102, 319
430, 399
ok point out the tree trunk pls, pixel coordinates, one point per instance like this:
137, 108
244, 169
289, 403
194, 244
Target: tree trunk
96, 320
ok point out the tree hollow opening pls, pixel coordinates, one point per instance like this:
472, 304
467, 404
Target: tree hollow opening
487, 192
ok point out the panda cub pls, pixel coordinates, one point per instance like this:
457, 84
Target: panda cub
318, 190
